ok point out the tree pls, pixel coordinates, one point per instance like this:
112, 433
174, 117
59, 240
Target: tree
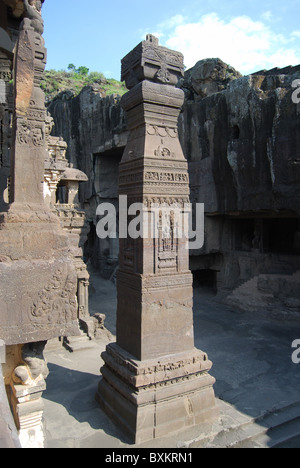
71, 67
84, 71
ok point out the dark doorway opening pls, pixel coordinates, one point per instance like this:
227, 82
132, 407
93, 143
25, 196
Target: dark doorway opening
206, 280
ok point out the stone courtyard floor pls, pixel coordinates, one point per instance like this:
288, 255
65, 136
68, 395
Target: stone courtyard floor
257, 384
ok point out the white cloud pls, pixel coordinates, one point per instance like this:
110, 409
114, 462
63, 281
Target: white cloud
172, 22
245, 44
166, 25
267, 16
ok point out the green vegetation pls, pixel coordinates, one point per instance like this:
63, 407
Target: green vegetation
75, 79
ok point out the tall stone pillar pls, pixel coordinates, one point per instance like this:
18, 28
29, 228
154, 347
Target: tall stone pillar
30, 113
38, 277
154, 381
39, 281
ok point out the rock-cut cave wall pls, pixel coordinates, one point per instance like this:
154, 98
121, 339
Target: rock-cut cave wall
241, 137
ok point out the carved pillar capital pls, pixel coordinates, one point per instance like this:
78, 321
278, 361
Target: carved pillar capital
152, 62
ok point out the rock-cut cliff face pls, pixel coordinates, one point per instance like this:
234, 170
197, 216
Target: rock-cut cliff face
243, 145
93, 127
241, 137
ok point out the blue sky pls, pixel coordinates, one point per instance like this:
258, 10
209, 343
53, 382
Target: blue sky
250, 35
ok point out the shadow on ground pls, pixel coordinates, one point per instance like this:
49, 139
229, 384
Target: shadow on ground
251, 356
75, 401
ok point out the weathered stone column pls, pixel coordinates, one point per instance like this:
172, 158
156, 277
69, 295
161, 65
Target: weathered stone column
154, 381
38, 277
30, 113
39, 281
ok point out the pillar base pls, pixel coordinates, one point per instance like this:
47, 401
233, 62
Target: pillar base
28, 407
154, 398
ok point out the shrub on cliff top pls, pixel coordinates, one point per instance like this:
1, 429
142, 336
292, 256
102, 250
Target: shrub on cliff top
75, 79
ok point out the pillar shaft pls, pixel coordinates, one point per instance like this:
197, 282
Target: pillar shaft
39, 281
29, 148
154, 381
154, 315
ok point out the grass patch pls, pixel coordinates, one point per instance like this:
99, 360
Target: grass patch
56, 81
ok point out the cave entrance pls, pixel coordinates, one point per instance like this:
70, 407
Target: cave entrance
282, 236
104, 253
205, 280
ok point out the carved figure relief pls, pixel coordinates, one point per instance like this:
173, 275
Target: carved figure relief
163, 152
33, 16
163, 75
167, 242
30, 133
166, 177
57, 302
